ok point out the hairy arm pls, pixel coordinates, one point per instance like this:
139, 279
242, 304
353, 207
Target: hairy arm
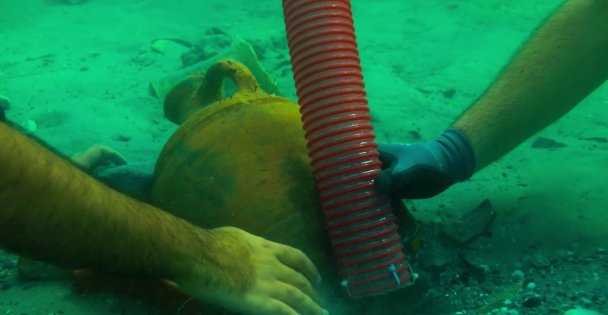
564, 61
51, 210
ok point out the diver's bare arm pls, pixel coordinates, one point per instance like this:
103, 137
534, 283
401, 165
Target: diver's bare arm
564, 61
51, 210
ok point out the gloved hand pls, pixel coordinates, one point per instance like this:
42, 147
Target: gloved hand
423, 170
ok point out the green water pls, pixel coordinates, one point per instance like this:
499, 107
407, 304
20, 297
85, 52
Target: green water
81, 74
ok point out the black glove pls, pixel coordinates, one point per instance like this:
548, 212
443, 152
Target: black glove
423, 170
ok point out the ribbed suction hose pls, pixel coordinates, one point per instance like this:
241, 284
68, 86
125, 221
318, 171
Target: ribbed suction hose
330, 89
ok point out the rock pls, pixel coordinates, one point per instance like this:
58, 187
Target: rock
539, 261
475, 264
532, 301
472, 225
31, 126
5, 102
449, 93
144, 59
546, 143
121, 138
518, 275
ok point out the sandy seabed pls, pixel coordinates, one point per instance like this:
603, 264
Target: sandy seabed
81, 75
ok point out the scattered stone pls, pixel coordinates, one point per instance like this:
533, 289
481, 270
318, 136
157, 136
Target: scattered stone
5, 102
539, 261
449, 93
415, 134
162, 45
475, 265
472, 225
532, 301
434, 256
144, 58
31, 126
596, 139
518, 275
121, 138
546, 143
51, 119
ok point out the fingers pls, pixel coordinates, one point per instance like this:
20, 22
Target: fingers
298, 261
276, 307
297, 300
296, 279
383, 182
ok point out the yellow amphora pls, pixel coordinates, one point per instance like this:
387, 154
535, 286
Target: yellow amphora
240, 160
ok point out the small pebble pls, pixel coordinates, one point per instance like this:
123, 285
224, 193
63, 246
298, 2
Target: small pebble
533, 301
531, 285
31, 126
540, 261
518, 275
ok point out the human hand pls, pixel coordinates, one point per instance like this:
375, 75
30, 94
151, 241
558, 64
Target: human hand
97, 156
423, 170
271, 278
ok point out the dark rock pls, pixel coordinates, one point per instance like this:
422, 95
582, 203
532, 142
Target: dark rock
532, 301
475, 265
449, 93
415, 134
596, 139
5, 102
539, 261
546, 143
144, 59
472, 225
121, 138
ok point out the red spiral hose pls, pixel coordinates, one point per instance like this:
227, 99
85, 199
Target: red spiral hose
337, 125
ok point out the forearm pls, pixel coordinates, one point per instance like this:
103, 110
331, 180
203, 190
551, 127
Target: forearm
562, 63
51, 210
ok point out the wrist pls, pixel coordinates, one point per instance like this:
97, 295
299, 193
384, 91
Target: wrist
456, 153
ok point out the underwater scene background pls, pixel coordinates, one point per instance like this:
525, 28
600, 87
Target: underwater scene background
79, 73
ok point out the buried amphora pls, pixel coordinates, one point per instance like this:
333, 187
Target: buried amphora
241, 160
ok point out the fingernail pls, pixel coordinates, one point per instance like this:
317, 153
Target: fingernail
325, 312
